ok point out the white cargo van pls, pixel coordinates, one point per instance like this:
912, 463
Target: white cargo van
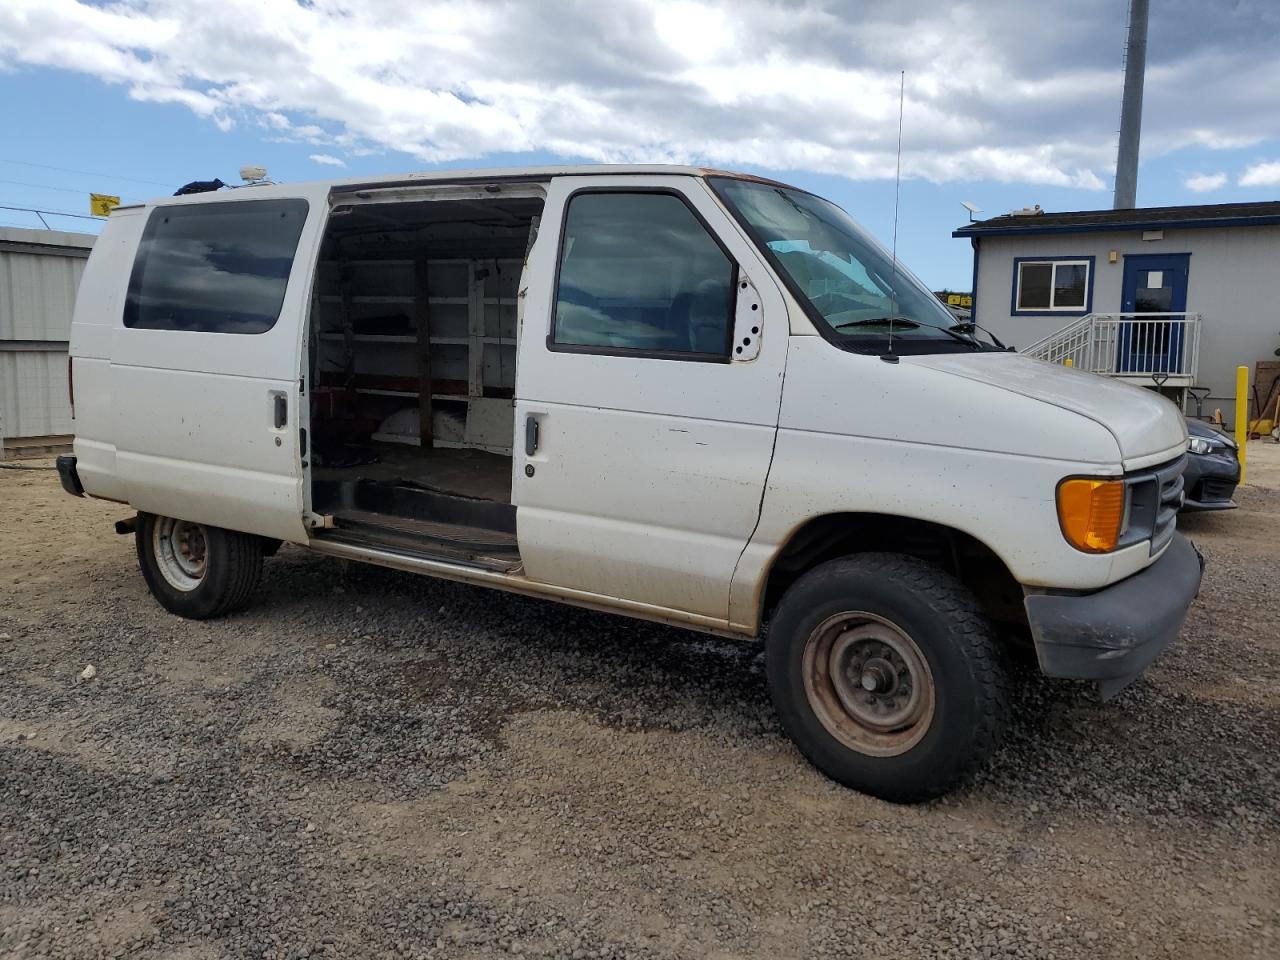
678, 394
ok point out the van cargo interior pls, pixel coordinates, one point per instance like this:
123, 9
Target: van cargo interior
412, 357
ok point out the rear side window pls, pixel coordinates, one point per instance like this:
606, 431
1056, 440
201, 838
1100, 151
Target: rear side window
641, 274
214, 267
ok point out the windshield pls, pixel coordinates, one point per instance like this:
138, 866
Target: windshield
847, 281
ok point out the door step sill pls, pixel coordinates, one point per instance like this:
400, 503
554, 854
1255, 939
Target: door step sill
426, 540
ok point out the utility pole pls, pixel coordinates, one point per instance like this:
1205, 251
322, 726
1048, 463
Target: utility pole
1135, 68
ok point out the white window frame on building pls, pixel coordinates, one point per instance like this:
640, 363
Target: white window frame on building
1053, 308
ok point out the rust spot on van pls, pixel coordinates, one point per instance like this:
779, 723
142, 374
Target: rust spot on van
749, 177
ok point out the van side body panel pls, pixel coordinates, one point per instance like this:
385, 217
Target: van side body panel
184, 465
181, 422
647, 480
99, 307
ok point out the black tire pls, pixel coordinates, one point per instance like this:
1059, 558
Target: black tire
216, 576
855, 612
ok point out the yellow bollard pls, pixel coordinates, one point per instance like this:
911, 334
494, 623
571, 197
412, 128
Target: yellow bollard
1067, 362
1242, 414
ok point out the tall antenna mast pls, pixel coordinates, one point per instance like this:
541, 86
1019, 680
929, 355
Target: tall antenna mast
897, 189
1135, 67
897, 175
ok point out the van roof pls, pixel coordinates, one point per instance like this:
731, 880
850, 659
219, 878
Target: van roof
535, 173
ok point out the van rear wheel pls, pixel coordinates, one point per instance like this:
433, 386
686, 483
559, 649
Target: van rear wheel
195, 570
887, 676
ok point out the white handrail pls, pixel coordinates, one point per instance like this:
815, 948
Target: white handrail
1155, 346
1044, 343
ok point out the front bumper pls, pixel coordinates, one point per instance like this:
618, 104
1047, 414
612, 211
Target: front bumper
1211, 481
68, 476
1112, 635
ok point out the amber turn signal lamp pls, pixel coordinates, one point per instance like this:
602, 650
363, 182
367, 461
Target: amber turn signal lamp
1091, 513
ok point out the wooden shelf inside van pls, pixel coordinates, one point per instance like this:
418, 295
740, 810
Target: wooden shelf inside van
438, 346
372, 337
364, 298
380, 392
410, 338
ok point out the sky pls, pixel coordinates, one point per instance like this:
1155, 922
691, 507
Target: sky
1006, 103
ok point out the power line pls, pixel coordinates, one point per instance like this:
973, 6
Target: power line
45, 186
52, 213
86, 173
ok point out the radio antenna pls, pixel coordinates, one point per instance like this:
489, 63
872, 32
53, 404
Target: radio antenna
897, 188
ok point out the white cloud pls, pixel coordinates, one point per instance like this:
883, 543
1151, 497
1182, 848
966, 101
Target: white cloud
808, 85
1205, 182
328, 159
697, 31
1261, 175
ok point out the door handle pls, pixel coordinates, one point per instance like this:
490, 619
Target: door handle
281, 408
531, 436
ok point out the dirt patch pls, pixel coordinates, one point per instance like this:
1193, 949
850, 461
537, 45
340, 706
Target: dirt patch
297, 717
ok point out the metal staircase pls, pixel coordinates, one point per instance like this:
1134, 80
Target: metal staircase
1160, 350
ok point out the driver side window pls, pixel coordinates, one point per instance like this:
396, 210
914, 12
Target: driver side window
640, 274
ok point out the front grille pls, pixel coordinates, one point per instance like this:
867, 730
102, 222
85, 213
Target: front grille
1155, 497
1168, 483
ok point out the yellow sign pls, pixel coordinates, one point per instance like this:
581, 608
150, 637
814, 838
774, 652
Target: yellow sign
959, 300
101, 204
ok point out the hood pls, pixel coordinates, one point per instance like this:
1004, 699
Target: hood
1144, 424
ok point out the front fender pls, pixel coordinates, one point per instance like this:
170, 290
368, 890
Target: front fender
1002, 501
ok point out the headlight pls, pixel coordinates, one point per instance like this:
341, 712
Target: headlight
1092, 513
1201, 445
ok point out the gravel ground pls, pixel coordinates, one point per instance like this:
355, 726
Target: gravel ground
368, 763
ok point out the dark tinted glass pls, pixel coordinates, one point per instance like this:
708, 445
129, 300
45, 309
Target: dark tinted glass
214, 267
638, 271
1153, 300
1033, 290
1068, 284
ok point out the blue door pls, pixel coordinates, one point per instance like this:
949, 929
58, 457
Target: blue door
1153, 284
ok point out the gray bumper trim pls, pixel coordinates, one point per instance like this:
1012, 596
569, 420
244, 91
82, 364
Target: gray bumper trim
1112, 635
1200, 506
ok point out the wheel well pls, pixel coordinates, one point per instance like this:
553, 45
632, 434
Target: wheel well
970, 560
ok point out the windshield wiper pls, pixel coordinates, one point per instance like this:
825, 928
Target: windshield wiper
898, 321
878, 321
967, 327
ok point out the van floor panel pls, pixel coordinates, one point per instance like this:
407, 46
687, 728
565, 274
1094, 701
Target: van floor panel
473, 537
465, 473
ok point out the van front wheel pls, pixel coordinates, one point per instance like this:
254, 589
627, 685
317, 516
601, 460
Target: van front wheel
886, 675
195, 570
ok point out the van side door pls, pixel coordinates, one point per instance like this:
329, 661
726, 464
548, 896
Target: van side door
206, 360
647, 393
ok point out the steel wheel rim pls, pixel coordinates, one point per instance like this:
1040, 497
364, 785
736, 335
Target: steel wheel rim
181, 550
868, 683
